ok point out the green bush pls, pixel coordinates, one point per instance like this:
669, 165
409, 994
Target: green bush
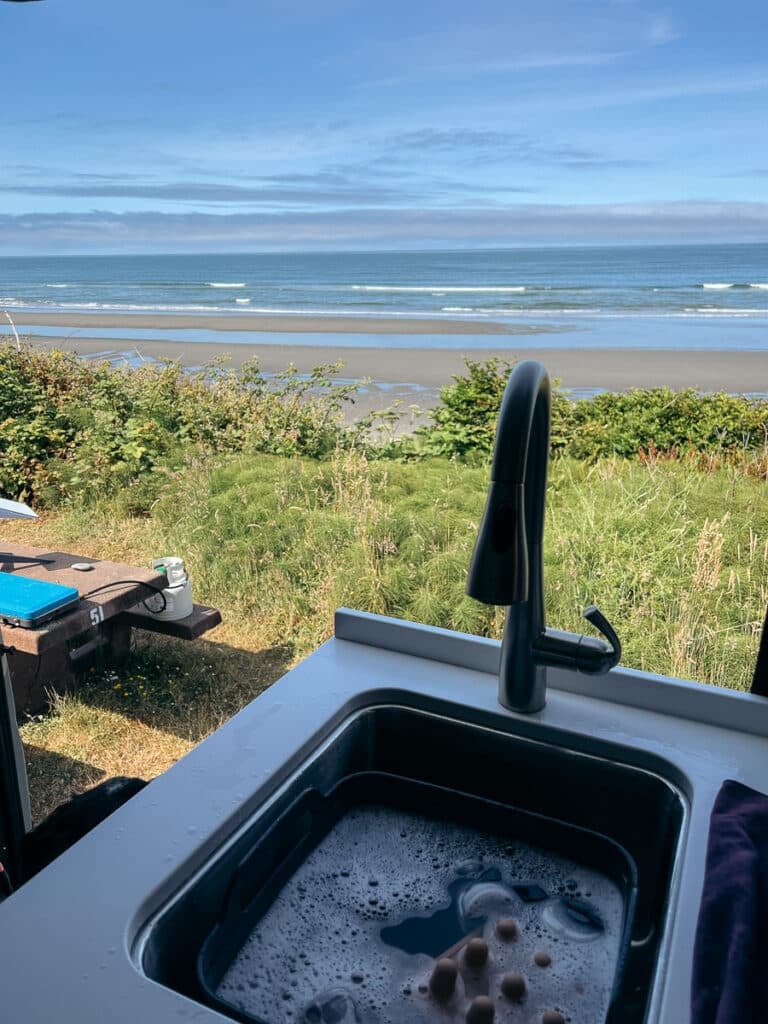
666, 422
465, 421
657, 421
69, 427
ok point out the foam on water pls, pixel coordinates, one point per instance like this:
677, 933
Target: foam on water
623, 279
437, 289
331, 949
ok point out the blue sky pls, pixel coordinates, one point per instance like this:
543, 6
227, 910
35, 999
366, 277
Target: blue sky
193, 125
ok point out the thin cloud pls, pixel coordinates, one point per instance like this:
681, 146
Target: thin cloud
663, 30
487, 146
211, 192
521, 224
348, 187
578, 36
76, 121
540, 61
725, 84
454, 139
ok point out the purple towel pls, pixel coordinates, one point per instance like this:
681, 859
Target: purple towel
730, 959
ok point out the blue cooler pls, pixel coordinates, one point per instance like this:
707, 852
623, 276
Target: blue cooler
30, 603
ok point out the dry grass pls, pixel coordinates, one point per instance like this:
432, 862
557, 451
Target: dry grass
78, 746
140, 719
692, 628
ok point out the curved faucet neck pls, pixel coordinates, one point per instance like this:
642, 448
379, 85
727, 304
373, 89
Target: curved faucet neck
513, 522
521, 456
507, 566
526, 395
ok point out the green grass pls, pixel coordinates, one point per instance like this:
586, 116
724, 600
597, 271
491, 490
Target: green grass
676, 558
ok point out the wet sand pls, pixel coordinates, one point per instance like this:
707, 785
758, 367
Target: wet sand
274, 324
413, 375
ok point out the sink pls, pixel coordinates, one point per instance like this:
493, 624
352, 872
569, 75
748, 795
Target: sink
565, 795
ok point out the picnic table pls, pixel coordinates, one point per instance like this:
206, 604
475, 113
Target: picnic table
53, 655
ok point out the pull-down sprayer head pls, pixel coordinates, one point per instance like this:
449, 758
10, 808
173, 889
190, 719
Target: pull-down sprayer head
507, 555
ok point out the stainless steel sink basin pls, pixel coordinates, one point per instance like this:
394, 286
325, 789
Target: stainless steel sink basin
590, 786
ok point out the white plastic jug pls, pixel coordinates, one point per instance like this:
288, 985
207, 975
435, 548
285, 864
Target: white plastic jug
178, 593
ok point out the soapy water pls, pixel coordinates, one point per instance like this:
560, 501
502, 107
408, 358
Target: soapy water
354, 935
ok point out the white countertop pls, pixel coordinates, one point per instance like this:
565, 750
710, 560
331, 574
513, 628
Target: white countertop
68, 936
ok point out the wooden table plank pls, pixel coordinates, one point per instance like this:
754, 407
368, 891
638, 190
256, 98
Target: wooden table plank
201, 619
56, 567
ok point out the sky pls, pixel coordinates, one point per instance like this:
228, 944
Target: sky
253, 125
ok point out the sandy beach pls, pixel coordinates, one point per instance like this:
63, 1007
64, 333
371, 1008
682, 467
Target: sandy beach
412, 375
329, 324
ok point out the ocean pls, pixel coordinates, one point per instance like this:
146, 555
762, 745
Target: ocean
681, 297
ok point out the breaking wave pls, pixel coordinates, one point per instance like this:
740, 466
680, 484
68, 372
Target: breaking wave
439, 289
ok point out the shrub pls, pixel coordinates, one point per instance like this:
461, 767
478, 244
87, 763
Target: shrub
465, 422
656, 421
73, 428
667, 422
69, 427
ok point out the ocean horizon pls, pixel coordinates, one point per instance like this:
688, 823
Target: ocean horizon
652, 296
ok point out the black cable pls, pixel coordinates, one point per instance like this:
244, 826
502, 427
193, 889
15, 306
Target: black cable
121, 583
142, 583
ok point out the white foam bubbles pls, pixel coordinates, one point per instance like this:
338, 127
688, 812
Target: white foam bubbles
439, 289
318, 953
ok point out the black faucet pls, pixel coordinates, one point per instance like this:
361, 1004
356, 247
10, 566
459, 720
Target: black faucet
507, 564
